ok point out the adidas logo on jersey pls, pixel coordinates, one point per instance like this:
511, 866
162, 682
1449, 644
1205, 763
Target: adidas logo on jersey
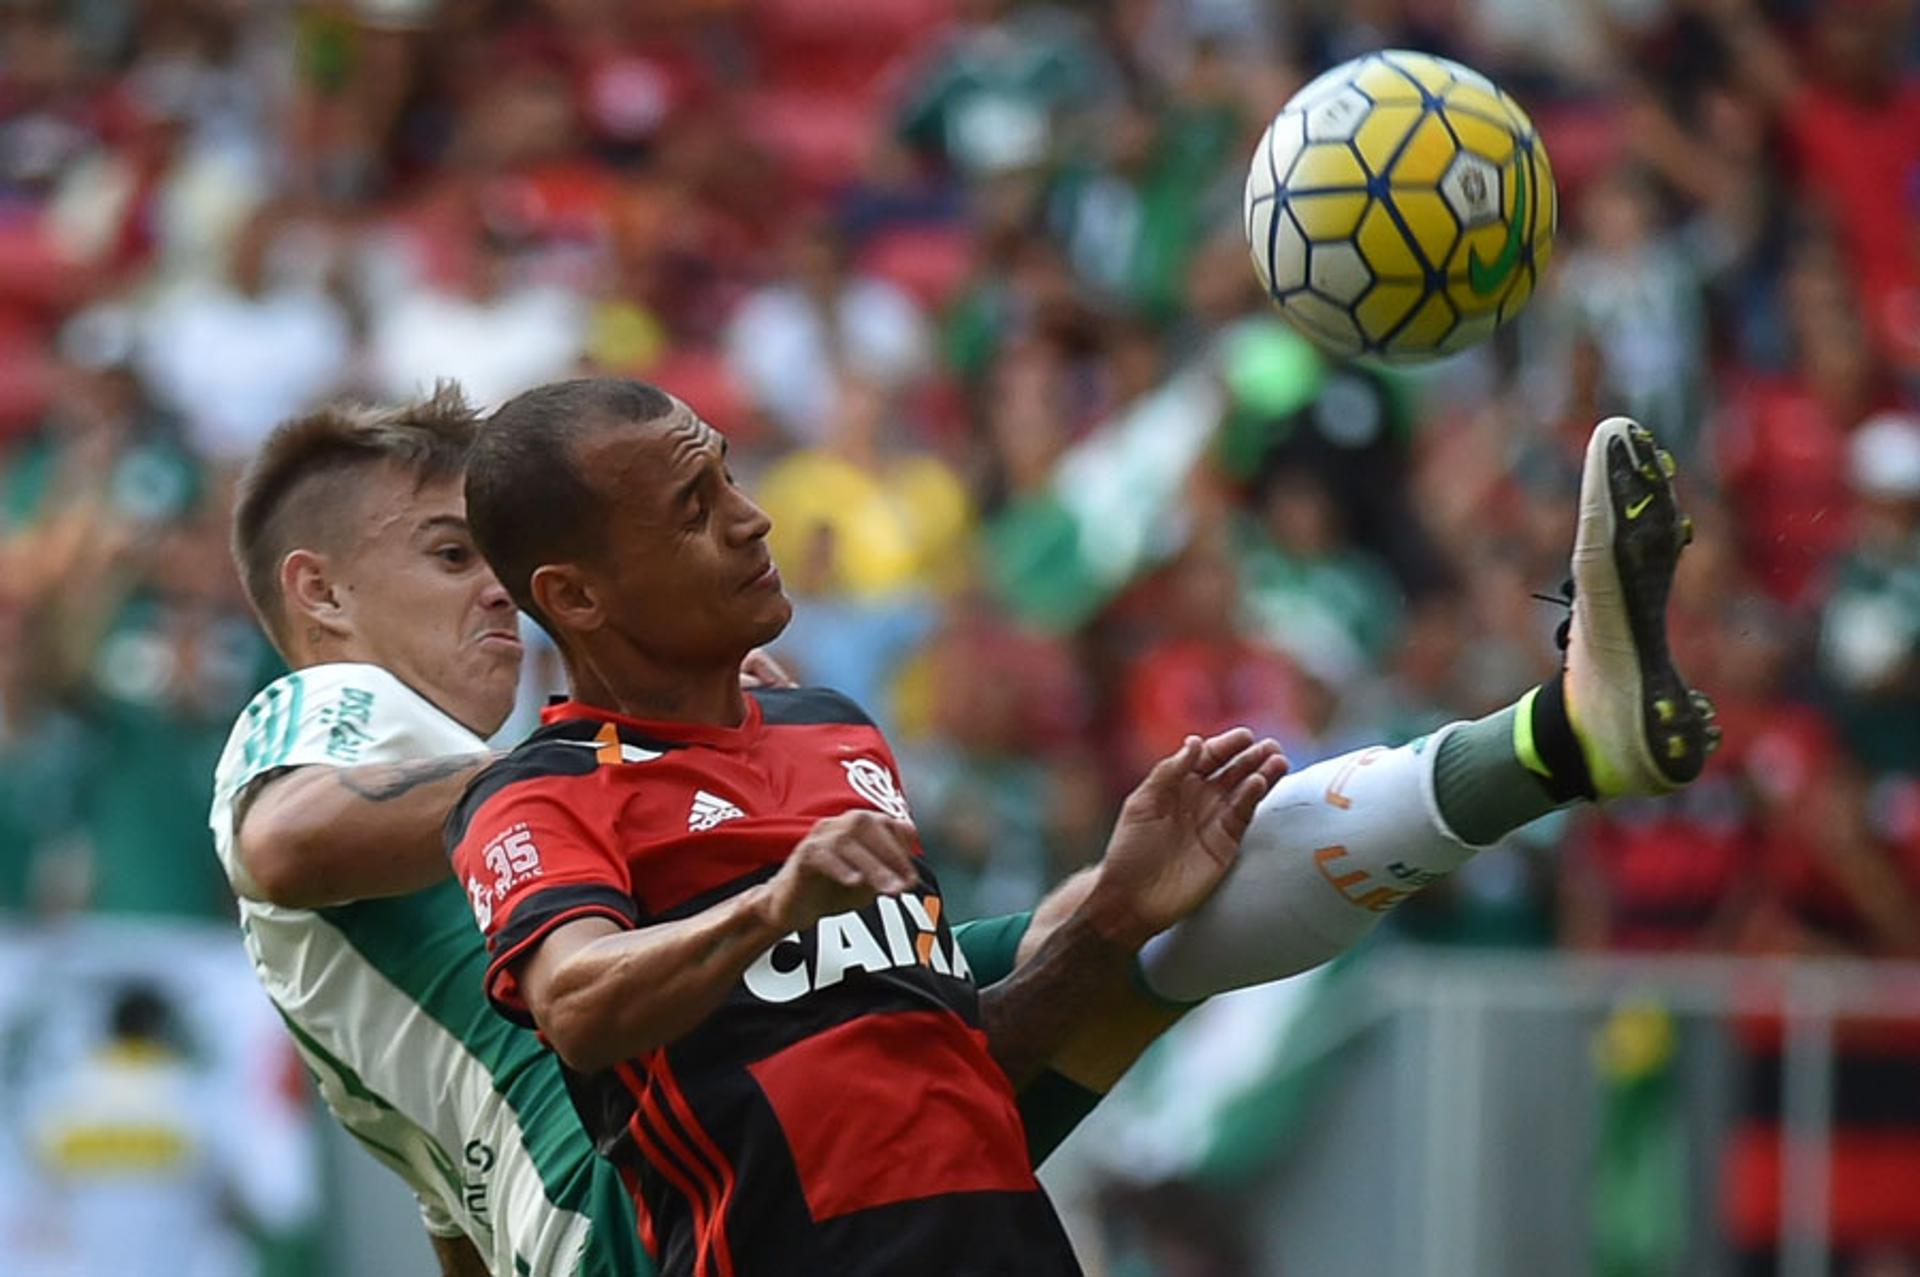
709, 810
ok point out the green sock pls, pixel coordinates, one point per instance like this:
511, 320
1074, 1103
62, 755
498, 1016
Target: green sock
1503, 771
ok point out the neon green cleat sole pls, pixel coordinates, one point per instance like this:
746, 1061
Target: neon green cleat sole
1642, 729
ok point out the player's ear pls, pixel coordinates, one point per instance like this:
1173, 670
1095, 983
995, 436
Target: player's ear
565, 597
313, 597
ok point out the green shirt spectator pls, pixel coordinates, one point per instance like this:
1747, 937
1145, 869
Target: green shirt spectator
165, 682
1306, 589
1003, 92
1870, 629
1131, 213
43, 757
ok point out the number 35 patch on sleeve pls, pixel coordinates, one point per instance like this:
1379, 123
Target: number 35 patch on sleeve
512, 858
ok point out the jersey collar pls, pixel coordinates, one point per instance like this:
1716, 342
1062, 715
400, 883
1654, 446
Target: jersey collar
741, 737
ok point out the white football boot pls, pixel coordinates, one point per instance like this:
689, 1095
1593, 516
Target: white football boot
1641, 729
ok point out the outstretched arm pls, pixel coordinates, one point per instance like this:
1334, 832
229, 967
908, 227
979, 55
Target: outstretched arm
1178, 834
1105, 1040
315, 836
1761, 59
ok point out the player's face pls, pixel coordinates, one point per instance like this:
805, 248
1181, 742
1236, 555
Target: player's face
426, 606
686, 574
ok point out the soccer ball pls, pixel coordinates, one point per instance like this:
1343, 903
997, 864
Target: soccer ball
1400, 208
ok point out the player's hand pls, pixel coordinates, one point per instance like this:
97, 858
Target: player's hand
845, 862
761, 670
1179, 832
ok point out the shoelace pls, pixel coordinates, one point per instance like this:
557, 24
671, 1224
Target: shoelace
1564, 634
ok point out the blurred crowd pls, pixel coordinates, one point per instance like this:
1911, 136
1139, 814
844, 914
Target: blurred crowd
964, 282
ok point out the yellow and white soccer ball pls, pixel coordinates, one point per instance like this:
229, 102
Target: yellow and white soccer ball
1400, 208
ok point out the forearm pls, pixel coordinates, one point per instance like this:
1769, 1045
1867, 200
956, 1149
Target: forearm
1097, 1047
327, 835
626, 993
1657, 138
1880, 898
1761, 60
1056, 910
1178, 834
1075, 971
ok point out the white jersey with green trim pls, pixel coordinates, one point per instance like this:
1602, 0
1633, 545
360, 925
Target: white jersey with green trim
384, 997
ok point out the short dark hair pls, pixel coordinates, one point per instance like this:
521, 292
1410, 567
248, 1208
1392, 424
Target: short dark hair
296, 490
527, 501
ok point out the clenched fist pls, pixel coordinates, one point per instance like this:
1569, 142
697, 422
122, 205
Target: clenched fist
845, 862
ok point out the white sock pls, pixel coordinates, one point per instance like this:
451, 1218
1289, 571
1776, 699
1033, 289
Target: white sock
1330, 850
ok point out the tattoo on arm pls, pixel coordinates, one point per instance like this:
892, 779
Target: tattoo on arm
1031, 1013
384, 782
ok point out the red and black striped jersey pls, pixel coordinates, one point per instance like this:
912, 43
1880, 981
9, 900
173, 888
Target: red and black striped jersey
839, 1114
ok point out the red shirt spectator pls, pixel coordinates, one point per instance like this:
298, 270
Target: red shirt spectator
1783, 454
1204, 677
1196, 685
1861, 158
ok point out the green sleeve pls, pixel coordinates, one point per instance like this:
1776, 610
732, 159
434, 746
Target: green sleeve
1050, 1106
991, 945
613, 1246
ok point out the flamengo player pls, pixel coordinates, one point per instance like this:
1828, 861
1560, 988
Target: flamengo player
657, 961
711, 903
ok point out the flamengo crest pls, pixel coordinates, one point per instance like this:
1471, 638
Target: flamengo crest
875, 784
